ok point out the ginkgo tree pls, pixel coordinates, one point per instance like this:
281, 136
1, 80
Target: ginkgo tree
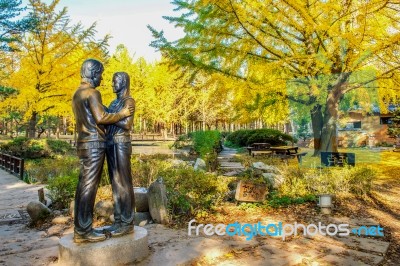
321, 49
49, 61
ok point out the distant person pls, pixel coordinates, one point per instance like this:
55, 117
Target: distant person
119, 150
90, 116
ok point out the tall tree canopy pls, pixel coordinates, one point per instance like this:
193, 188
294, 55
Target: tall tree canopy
11, 29
10, 26
317, 50
49, 61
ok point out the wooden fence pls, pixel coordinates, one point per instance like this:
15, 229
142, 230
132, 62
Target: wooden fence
12, 164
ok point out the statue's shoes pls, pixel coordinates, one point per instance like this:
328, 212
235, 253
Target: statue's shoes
99, 230
113, 227
92, 236
122, 230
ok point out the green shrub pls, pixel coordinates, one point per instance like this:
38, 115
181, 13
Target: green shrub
300, 182
35, 148
190, 192
277, 201
239, 137
265, 135
205, 142
295, 183
62, 189
59, 146
361, 180
146, 169
41, 170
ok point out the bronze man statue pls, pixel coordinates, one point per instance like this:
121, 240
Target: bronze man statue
90, 116
118, 154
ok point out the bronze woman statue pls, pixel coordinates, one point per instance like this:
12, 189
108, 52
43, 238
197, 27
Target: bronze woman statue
118, 154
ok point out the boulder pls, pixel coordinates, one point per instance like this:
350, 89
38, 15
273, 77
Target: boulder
200, 165
104, 208
142, 218
266, 168
273, 179
61, 220
158, 202
37, 211
176, 162
141, 199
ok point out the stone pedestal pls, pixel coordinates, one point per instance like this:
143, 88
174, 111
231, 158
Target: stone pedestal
113, 251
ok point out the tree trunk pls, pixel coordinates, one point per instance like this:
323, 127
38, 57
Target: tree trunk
329, 140
32, 126
64, 125
317, 123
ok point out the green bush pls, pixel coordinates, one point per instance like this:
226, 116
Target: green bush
59, 146
62, 189
239, 137
190, 192
41, 170
146, 169
265, 135
35, 148
276, 201
300, 182
205, 142
361, 180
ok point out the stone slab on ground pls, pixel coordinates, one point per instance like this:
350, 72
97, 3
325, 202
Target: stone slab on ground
114, 251
364, 244
14, 197
174, 247
22, 246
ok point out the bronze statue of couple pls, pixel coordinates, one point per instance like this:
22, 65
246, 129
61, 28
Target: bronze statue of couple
103, 133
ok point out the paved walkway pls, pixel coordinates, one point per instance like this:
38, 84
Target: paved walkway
21, 245
225, 157
14, 197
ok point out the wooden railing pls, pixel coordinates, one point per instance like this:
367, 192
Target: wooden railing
12, 164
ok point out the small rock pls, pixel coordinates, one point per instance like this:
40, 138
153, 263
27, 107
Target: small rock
200, 165
37, 211
55, 230
158, 202
176, 162
231, 195
232, 173
273, 179
112, 219
72, 208
60, 220
57, 213
142, 218
266, 168
141, 199
104, 208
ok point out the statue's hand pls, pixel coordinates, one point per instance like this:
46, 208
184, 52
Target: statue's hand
128, 110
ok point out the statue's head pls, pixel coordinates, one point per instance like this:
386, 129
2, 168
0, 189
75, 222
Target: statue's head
121, 82
91, 72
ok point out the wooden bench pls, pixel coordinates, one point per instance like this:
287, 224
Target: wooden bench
285, 157
259, 148
299, 156
260, 152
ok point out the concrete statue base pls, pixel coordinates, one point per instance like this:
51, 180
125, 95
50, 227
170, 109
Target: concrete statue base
113, 251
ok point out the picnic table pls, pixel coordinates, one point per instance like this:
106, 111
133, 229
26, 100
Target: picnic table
259, 148
286, 152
